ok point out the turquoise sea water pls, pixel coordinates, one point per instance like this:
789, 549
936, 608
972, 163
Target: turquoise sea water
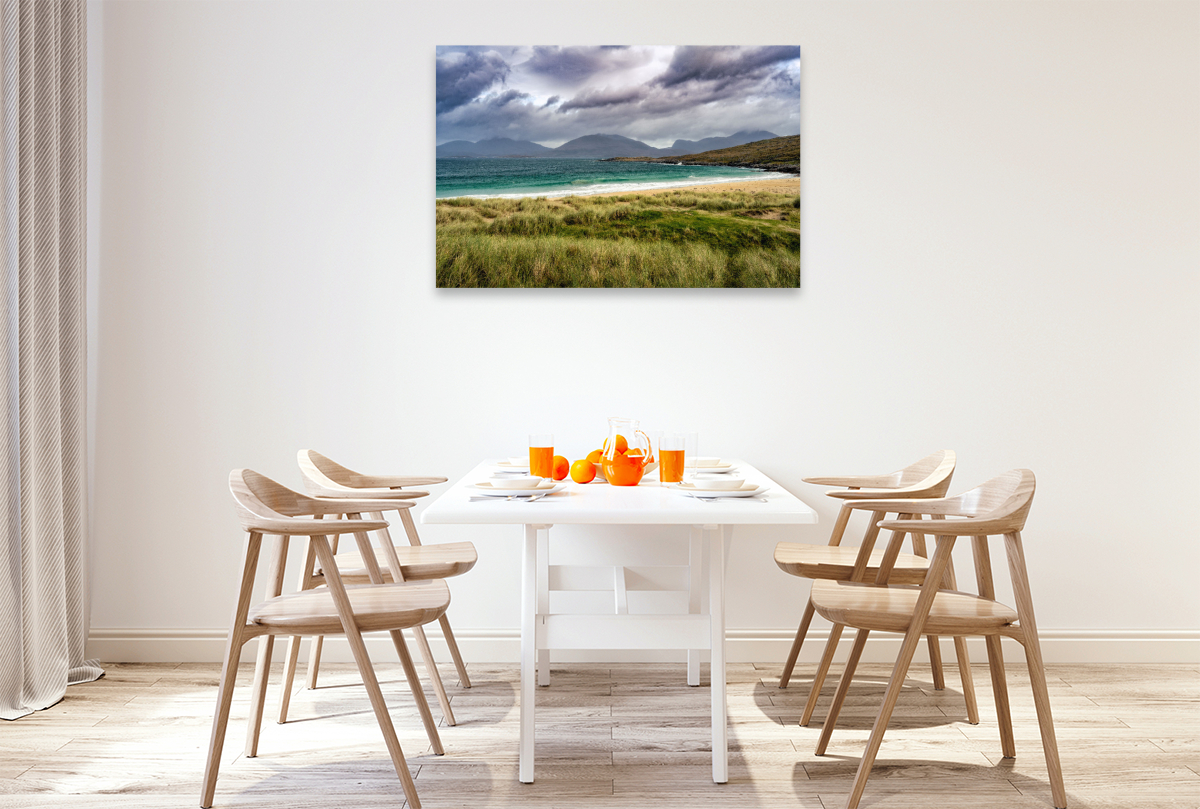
548, 176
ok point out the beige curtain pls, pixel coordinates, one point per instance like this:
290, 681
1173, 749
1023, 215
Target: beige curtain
43, 571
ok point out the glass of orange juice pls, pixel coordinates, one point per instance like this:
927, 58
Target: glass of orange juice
541, 455
671, 449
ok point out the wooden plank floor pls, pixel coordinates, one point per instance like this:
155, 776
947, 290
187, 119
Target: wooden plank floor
624, 735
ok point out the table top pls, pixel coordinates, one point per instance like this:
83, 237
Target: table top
596, 503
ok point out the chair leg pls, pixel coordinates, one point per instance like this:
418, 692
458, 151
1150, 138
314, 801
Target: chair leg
367, 671
968, 682
220, 722
839, 697
835, 634
895, 685
1008, 742
414, 684
258, 694
262, 666
912, 638
964, 658
790, 663
464, 679
314, 661
289, 676
434, 676
935, 662
1037, 669
233, 651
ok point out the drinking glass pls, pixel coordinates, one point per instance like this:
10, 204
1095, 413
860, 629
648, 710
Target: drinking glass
541, 455
671, 455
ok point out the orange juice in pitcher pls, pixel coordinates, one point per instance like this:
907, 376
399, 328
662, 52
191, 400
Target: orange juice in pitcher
628, 453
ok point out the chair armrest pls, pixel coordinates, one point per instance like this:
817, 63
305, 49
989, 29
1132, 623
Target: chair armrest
348, 505
915, 505
397, 481
949, 528
879, 494
309, 528
360, 494
855, 481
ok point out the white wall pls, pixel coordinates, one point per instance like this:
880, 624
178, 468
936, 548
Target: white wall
1001, 205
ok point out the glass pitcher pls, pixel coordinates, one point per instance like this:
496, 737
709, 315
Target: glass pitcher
628, 453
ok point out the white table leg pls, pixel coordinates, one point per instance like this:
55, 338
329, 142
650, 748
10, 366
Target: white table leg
529, 602
716, 608
543, 598
695, 566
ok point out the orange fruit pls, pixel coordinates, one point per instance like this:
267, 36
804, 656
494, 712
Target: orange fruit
560, 467
583, 471
595, 455
622, 444
634, 451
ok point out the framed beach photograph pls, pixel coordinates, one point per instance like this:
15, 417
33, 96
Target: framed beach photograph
618, 166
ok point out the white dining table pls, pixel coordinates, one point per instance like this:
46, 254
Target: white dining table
649, 503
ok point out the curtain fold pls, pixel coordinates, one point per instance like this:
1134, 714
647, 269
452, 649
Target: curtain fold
43, 494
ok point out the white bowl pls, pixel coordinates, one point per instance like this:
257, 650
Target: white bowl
519, 461
700, 463
723, 483
518, 482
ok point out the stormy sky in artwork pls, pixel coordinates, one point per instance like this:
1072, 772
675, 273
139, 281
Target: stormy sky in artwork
655, 94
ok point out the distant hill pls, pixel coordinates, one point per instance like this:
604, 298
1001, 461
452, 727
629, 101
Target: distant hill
776, 154
604, 146
706, 144
493, 147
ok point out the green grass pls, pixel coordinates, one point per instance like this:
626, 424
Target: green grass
670, 239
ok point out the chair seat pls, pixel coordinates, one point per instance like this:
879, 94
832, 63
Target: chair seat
889, 608
417, 562
376, 607
837, 563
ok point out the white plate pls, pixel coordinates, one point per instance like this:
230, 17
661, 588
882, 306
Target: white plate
498, 489
709, 470
747, 490
708, 465
509, 466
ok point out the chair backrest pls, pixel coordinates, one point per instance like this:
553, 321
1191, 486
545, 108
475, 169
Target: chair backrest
935, 468
319, 469
260, 500
999, 506
928, 477
324, 477
1003, 501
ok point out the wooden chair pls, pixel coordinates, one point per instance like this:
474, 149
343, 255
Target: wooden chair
264, 507
928, 477
998, 507
405, 563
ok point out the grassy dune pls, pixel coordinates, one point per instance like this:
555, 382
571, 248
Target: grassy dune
670, 239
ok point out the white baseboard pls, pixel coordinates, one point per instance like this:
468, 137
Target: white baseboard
742, 646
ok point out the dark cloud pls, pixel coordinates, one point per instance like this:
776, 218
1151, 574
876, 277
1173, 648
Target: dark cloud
463, 76
722, 64
701, 92
575, 64
592, 99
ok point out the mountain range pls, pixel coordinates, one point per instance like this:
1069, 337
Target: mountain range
593, 147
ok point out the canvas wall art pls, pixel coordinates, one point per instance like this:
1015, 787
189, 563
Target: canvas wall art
618, 166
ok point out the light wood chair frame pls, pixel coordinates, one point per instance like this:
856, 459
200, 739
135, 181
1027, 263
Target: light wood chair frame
325, 478
929, 477
997, 508
267, 509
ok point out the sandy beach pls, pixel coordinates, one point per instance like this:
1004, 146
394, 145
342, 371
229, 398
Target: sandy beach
778, 185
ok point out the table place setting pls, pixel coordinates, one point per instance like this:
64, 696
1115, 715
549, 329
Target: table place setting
526, 488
